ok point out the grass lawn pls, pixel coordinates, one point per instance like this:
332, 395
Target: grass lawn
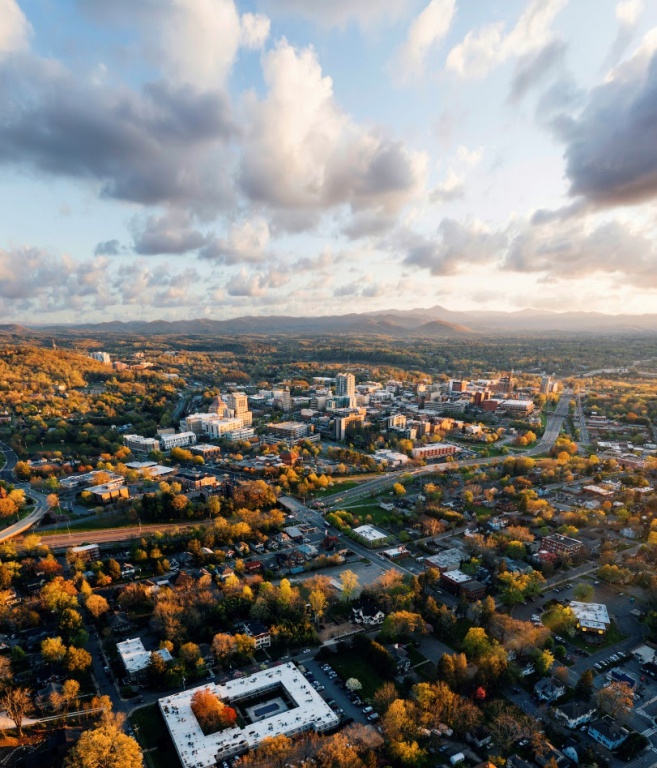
119, 520
415, 656
352, 665
150, 725
339, 487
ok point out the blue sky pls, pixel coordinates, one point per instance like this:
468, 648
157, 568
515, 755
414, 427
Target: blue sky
213, 158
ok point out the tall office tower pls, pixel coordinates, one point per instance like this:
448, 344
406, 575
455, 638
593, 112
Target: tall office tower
345, 385
237, 402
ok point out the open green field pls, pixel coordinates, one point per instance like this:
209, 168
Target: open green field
352, 665
119, 520
153, 737
340, 486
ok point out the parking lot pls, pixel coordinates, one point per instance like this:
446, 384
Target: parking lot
333, 690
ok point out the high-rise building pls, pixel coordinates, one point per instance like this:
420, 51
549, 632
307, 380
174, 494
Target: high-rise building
238, 403
101, 357
345, 385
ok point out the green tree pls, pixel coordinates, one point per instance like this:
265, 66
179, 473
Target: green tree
584, 687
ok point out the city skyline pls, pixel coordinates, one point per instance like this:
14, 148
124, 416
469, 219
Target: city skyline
212, 158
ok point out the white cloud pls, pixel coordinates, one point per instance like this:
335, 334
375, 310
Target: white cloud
246, 242
245, 284
629, 11
486, 48
451, 188
340, 12
303, 152
14, 27
255, 30
426, 31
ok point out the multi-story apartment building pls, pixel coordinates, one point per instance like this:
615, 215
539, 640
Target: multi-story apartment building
434, 451
180, 440
563, 546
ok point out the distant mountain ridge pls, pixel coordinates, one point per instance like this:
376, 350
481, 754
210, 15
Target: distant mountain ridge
433, 322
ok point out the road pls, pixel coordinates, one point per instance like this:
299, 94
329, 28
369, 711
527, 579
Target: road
40, 500
373, 487
583, 429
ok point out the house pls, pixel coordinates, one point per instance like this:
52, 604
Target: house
119, 624
575, 713
514, 761
608, 732
136, 658
479, 737
259, 632
549, 689
182, 581
368, 614
400, 656
43, 697
551, 756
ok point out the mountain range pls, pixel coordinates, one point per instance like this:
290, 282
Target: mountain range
434, 322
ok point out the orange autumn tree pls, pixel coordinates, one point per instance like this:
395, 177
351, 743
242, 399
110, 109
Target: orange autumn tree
212, 714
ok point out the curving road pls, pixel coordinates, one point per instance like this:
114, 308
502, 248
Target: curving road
40, 499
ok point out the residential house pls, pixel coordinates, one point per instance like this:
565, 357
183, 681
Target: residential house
368, 614
515, 761
608, 732
549, 689
575, 713
479, 737
259, 632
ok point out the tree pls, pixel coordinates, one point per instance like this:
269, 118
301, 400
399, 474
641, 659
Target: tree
70, 623
212, 714
59, 594
223, 647
349, 583
113, 569
77, 659
53, 650
476, 643
190, 655
318, 603
583, 592
97, 606
398, 489
106, 747
244, 645
543, 661
615, 699
17, 703
353, 684
384, 697
584, 686
70, 692
402, 624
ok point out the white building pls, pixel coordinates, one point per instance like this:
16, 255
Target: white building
102, 357
273, 702
136, 658
139, 444
181, 440
372, 537
391, 458
221, 427
591, 617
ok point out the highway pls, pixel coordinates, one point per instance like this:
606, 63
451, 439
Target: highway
40, 500
387, 480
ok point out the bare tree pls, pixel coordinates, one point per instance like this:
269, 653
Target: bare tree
17, 703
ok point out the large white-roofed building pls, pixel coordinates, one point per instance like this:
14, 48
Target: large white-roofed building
273, 702
136, 658
591, 617
372, 537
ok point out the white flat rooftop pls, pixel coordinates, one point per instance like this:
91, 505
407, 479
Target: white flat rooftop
457, 576
591, 615
196, 750
135, 657
370, 533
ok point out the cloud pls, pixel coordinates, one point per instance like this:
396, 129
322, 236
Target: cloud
628, 13
302, 152
483, 49
191, 41
457, 245
535, 67
163, 144
427, 30
611, 157
245, 284
339, 12
109, 248
171, 233
452, 188
246, 242
255, 30
15, 29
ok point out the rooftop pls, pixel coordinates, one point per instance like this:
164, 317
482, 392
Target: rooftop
304, 710
457, 577
370, 533
591, 615
135, 657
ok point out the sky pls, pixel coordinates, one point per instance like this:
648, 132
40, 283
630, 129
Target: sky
176, 159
